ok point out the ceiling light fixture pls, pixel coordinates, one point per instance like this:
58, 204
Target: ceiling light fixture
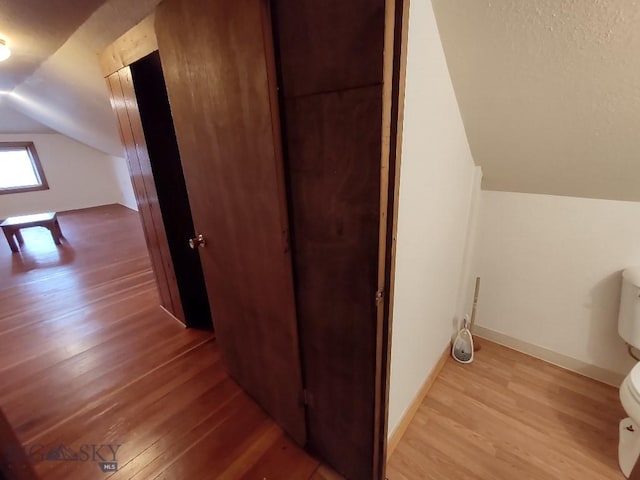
4, 50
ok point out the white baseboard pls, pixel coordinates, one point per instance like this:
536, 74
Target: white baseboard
592, 371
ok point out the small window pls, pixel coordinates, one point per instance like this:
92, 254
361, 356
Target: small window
20, 169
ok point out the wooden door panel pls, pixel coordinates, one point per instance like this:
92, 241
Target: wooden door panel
329, 45
334, 156
146, 196
331, 58
219, 76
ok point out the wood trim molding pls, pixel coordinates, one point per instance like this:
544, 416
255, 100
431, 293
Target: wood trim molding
568, 363
173, 317
383, 333
394, 95
401, 429
397, 144
138, 42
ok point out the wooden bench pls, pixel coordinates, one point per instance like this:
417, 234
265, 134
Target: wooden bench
11, 227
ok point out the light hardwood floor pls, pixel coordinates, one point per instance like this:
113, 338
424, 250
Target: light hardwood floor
87, 357
510, 416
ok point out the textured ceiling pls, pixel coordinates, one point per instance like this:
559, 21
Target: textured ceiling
35, 29
549, 91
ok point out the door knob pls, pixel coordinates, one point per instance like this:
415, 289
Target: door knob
198, 241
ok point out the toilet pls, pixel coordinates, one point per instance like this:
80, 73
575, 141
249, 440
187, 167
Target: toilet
629, 330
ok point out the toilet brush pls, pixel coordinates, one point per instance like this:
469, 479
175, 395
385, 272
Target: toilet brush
476, 345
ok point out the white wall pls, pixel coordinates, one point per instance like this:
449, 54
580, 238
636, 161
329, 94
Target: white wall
123, 180
550, 269
437, 179
78, 177
12, 121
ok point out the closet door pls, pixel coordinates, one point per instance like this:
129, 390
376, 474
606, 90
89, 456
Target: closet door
218, 63
331, 65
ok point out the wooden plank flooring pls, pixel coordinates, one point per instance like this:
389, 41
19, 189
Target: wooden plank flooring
510, 416
87, 357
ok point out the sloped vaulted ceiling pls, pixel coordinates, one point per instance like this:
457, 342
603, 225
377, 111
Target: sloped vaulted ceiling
12, 121
62, 87
549, 91
35, 30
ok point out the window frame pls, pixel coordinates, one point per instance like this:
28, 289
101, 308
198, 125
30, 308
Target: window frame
35, 162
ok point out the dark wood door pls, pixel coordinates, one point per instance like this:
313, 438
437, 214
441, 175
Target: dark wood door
218, 62
331, 64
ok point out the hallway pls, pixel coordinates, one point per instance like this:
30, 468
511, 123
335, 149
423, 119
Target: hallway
90, 362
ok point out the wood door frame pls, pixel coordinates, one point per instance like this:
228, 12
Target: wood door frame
135, 44
395, 67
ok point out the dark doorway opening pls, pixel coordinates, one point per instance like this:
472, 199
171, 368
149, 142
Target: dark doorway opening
162, 146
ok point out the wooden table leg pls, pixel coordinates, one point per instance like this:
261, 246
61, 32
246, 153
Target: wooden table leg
18, 235
57, 224
55, 233
8, 233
